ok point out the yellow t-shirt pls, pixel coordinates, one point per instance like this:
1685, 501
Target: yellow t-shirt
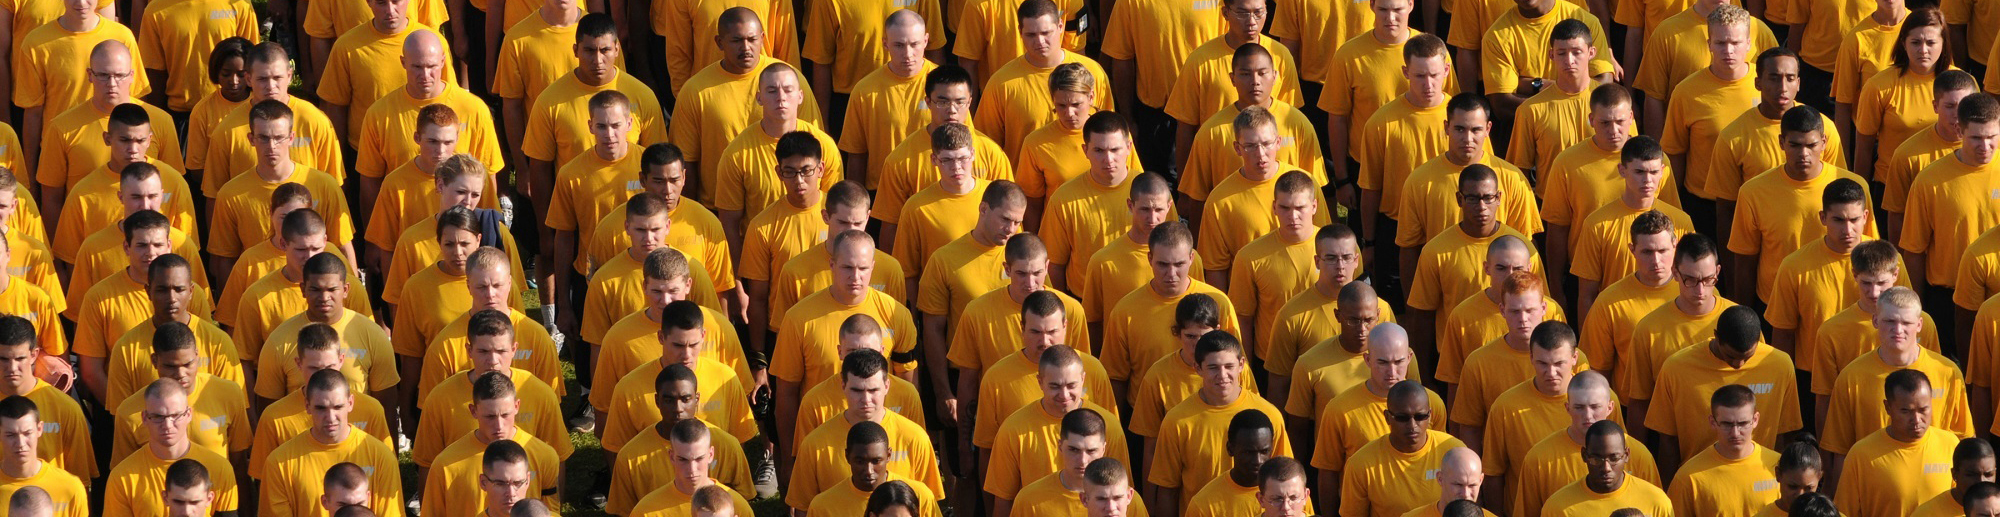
1191, 437
1212, 156
646, 462
135, 484
447, 353
176, 37
1026, 447
24, 299
1827, 24
1577, 500
1648, 14
220, 422
369, 364
882, 110
1515, 46
825, 402
1223, 497
1772, 220
1268, 272
669, 501
1364, 74
1677, 48
29, 15
696, 231
294, 471
1320, 27
1052, 497
1522, 417
130, 367
73, 145
1856, 409
452, 486
1304, 321
1381, 480
1485, 388
1603, 243
64, 489
590, 187
1661, 333
1948, 208
1584, 178
1238, 211
776, 235
1049, 158
990, 33
259, 260
287, 418
990, 332
1680, 396
1850, 334
1892, 477
102, 256
558, 125
1556, 461
1809, 287
1323, 372
958, 272
1352, 420
1863, 53
714, 107
1919, 151
1944, 504
532, 55
242, 211
1450, 268
274, 299
808, 335
1890, 107
431, 299
1695, 119
908, 170
366, 66
1205, 87
1474, 323
417, 248
1163, 385
201, 123
33, 262
51, 65
1398, 137
810, 271
114, 306
385, 133
65, 441
1139, 328
627, 345
1082, 217
934, 217
822, 461
1981, 367
314, 145
1547, 123
848, 35
690, 30
1709, 484
745, 172
1430, 200
842, 497
1011, 384
619, 288
447, 412
1159, 37
93, 206
1016, 100
1113, 272
1751, 145
329, 20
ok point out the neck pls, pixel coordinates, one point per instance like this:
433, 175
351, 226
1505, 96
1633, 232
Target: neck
1049, 60
1515, 341
1728, 73
320, 317
1376, 387
1109, 176
1803, 172
958, 185
74, 22
1734, 452
1237, 38
1771, 109
137, 274
1412, 447
1635, 200
1898, 356
166, 451
390, 25
1245, 102
1253, 174
558, 17
1892, 17
1243, 477
1574, 83
1460, 160
1218, 397
841, 297
1689, 307
776, 126
1388, 36
1476, 230
19, 470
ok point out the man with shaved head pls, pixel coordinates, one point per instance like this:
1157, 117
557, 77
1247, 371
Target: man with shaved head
75, 143
888, 104
1737, 475
1334, 365
1448, 270
1354, 417
1476, 319
1557, 459
383, 137
1736, 355
1313, 315
356, 69
315, 140
49, 67
1392, 474
1458, 479
30, 501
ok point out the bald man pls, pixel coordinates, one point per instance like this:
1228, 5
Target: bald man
30, 501
75, 144
46, 78
1353, 418
352, 71
888, 104
1458, 479
382, 140
1557, 459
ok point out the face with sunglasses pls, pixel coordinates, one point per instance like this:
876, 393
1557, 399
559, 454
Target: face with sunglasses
1409, 415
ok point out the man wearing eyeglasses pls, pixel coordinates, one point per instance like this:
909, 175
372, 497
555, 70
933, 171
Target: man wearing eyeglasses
505, 478
1679, 324
75, 143
134, 483
1735, 476
1394, 474
1605, 485
1351, 419
1736, 356
1455, 263
214, 416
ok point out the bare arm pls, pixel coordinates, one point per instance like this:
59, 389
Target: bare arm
31, 146
1059, 278
1786, 340
934, 364
1655, 119
1558, 265
1183, 138
1668, 455
1371, 206
514, 116
1743, 281
759, 313
1635, 49
1958, 44
968, 389
859, 172
1586, 293
1635, 417
787, 408
1864, 155
1337, 145
93, 374
157, 97
1032, 220
1843, 118
732, 230
1125, 83
321, 47
1981, 399
887, 242
1406, 262
52, 201
822, 84
1468, 68
1218, 278
338, 114
565, 254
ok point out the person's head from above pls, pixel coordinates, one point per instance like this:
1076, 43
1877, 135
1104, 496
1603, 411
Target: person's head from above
20, 433
1697, 269
948, 93
683, 333
1844, 211
175, 356
1041, 24
1337, 254
859, 332
893, 499
494, 407
1950, 87
1409, 415
1459, 476
1814, 505
270, 132
905, 38
1082, 441
867, 453
1479, 198
1060, 375
597, 48
1002, 208
693, 453
709, 501
1732, 413
740, 35
1802, 133
489, 343
1738, 331
1107, 489
344, 485
1282, 489
1392, 17
800, 164
1589, 400
1643, 166
505, 475
1652, 247
1389, 357
852, 256
1921, 46
324, 285
1219, 361
1611, 120
1044, 323
148, 236
270, 72
1907, 398
1571, 47
1523, 304
1254, 74
424, 62
1426, 67
677, 394
228, 68
458, 236
1462, 508
1533, 8
329, 401
1981, 499
1978, 128
1358, 310
1604, 457
647, 222
1073, 96
170, 287
1553, 353
952, 154
1257, 141
1195, 316
436, 136
1107, 138
864, 382
128, 132
1899, 320
780, 91
111, 72
668, 277
319, 349
1729, 41
1506, 255
166, 416
390, 16
1876, 266
846, 207
610, 122
489, 278
1799, 469
1250, 441
1150, 201
187, 491
1778, 78
141, 188
460, 181
1972, 463
663, 172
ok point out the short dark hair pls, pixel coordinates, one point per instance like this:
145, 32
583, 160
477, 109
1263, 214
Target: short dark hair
1739, 328
460, 218
1951, 81
681, 315
1042, 304
172, 336
1801, 118
165, 263
1651, 222
1769, 58
1083, 422
188, 473
866, 433
1693, 247
596, 25
327, 380
1279, 469
143, 220
324, 263
1552, 335
1106, 122
489, 323
17, 331
1199, 309
1570, 29
129, 115
799, 144
946, 75
1641, 148
1814, 504
300, 223
1215, 342
1247, 421
1731, 396
862, 364
1467, 102
660, 155
1978, 108
1904, 381
492, 386
1842, 191
1979, 492
500, 452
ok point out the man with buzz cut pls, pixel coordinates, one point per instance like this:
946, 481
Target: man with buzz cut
1393, 474
810, 271
1009, 328
1814, 284
315, 144
495, 408
1102, 486
1515, 53
888, 103
170, 291
586, 188
189, 489
1139, 326
1014, 98
1401, 135
1771, 220
1314, 315
739, 182
1700, 106
383, 134
1481, 318
868, 459
825, 401
1941, 218
1735, 476
1752, 143
241, 211
558, 128
808, 334
1599, 251
1558, 116
1606, 485
1249, 442
1906, 462
1556, 460
1924, 147
763, 243
1972, 464
279, 296
1429, 207
1672, 44
117, 303
1021, 449
20, 420
65, 442
289, 487
319, 348
717, 98
841, 43
218, 409
507, 475
1212, 153
964, 269
447, 410
345, 486
1735, 356
133, 483
645, 460
1080, 215
30, 501
681, 340
92, 202
1062, 150
630, 342
140, 187
912, 166
1679, 324
820, 464
323, 285
1277, 265
1587, 176
1447, 268
1241, 206
1189, 437
353, 65
1347, 421
692, 453
1851, 411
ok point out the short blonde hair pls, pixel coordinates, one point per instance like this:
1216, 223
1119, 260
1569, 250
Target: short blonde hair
1727, 15
1899, 298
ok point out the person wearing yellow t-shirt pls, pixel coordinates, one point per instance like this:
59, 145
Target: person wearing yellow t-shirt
75, 143
1020, 316
1027, 444
533, 55
935, 215
986, 259
1942, 217
681, 340
117, 303
324, 290
1799, 470
1345, 423
1676, 325
1393, 474
867, 455
168, 418
1557, 460
912, 166
888, 103
507, 471
1109, 274
1606, 485
840, 42
586, 188
1014, 99
1558, 116
1270, 269
1360, 74
1081, 214
1313, 315
140, 186
409, 193
1753, 142
319, 346
1864, 52
1241, 207
1479, 320
641, 462
496, 409
1888, 108
1088, 483
1851, 413
48, 75
431, 297
1600, 251
1971, 464
1061, 150
1445, 268
1851, 333
1138, 329
1707, 100
19, 296
278, 296
1585, 177
718, 102
448, 409
315, 143
289, 486
20, 419
1981, 499
383, 135
228, 70
1248, 441
1402, 134
66, 443
1517, 53
345, 484
354, 68
91, 202
739, 182
186, 487
1770, 222
989, 29
1212, 154
1208, 77
824, 401
1735, 357
1811, 286
1191, 435
1676, 47
557, 128
663, 172
626, 345
1924, 147
1173, 377
1459, 481
820, 463
218, 408
241, 212
1896, 468
1149, 45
